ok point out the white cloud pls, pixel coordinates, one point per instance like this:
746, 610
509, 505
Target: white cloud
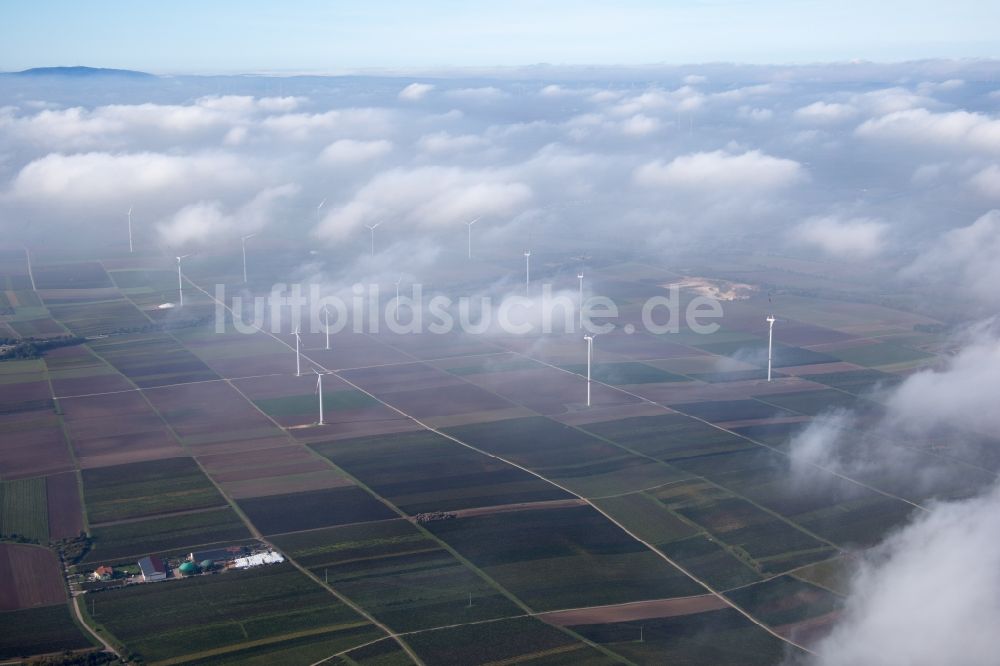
196, 223
755, 114
928, 595
859, 238
120, 125
427, 197
987, 181
481, 95
415, 91
965, 259
825, 113
100, 178
351, 151
963, 392
952, 129
443, 142
639, 125
343, 123
719, 170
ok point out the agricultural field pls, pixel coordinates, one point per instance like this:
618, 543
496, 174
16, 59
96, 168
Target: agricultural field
542, 555
260, 613
792, 607
136, 490
79, 275
277, 514
24, 509
423, 471
42, 630
515, 641
133, 539
575, 459
30, 576
158, 423
151, 359
78, 371
397, 573
621, 374
116, 428
716, 637
96, 319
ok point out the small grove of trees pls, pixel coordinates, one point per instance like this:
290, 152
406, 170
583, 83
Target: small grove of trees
73, 549
25, 348
161, 326
92, 658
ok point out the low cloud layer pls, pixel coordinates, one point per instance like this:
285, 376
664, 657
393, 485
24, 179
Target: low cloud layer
928, 595
810, 161
930, 592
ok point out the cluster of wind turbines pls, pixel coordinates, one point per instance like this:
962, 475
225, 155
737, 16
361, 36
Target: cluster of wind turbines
319, 375
589, 339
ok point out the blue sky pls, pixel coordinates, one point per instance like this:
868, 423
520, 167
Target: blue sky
311, 35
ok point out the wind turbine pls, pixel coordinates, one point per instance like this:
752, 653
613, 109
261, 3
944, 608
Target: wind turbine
398, 280
371, 228
580, 277
319, 390
469, 227
130, 248
319, 207
326, 319
180, 281
770, 343
527, 272
243, 242
590, 353
298, 357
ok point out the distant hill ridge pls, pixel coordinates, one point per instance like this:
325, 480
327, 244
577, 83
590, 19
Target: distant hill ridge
81, 72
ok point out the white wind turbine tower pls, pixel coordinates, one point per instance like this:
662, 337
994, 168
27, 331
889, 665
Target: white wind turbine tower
468, 226
527, 272
298, 356
243, 242
398, 281
326, 319
319, 390
130, 248
371, 228
180, 281
590, 353
770, 342
580, 277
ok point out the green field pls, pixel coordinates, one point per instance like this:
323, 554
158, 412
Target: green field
812, 403
24, 509
626, 373
152, 359
165, 534
399, 574
542, 557
785, 600
423, 471
277, 514
260, 613
147, 488
38, 631
669, 437
575, 459
722, 637
879, 353
516, 641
